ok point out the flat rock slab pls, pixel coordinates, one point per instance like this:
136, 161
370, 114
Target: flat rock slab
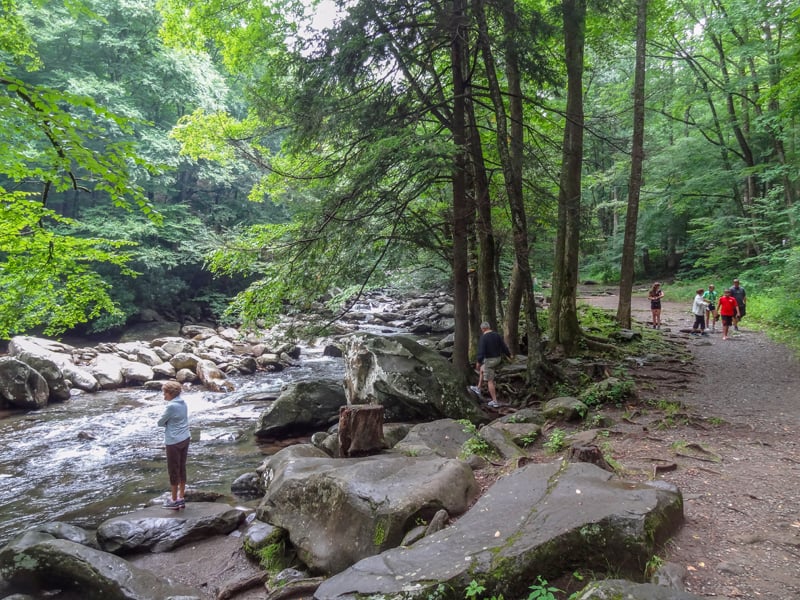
37, 561
157, 529
545, 519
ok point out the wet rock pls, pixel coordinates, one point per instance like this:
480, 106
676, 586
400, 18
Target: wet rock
21, 386
159, 530
37, 561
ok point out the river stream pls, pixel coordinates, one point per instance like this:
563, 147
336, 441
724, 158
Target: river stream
102, 454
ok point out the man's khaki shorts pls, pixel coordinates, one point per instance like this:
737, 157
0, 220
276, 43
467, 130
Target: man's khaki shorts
489, 365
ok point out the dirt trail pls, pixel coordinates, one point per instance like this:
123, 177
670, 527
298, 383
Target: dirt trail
735, 447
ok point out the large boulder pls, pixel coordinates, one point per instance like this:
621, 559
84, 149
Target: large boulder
302, 408
36, 562
444, 437
339, 511
112, 371
546, 519
60, 354
41, 360
156, 530
412, 382
212, 377
21, 386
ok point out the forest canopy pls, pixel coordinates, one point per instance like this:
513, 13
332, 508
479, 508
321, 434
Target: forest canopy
238, 161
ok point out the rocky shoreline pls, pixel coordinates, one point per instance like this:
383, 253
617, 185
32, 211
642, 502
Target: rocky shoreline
406, 521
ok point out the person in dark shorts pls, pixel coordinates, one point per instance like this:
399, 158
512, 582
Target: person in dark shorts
699, 306
491, 350
737, 291
728, 310
175, 421
654, 295
711, 296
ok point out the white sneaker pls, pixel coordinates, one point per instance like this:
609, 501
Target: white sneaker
475, 390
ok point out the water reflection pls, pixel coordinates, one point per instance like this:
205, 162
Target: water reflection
100, 455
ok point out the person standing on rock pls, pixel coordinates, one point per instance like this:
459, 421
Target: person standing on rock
654, 295
491, 350
711, 296
739, 294
728, 311
175, 421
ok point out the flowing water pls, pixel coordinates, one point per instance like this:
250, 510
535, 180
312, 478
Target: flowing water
100, 455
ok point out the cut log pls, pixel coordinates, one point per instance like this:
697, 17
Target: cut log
589, 454
361, 429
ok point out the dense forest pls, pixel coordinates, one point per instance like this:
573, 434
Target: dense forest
223, 160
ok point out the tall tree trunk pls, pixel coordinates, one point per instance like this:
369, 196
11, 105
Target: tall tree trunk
460, 204
509, 147
487, 274
637, 158
564, 318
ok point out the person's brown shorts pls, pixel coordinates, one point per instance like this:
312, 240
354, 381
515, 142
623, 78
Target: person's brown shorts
489, 365
176, 461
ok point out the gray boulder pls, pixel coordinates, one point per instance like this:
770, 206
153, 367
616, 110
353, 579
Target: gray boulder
444, 437
564, 408
155, 529
26, 350
412, 382
21, 386
212, 377
338, 511
547, 519
36, 561
302, 408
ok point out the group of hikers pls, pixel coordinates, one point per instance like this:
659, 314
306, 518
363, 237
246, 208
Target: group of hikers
708, 308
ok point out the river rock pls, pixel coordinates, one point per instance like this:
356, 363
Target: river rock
547, 519
302, 408
37, 562
338, 511
156, 529
212, 377
412, 382
112, 371
21, 386
60, 354
39, 359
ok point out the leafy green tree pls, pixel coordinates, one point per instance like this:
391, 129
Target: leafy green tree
55, 141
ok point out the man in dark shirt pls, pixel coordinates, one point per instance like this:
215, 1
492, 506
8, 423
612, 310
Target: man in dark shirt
738, 293
491, 350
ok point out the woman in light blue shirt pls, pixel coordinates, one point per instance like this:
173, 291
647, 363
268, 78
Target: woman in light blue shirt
175, 422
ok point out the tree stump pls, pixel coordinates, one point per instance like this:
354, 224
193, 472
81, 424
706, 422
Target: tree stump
589, 454
360, 429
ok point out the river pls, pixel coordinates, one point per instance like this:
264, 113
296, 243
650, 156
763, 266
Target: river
102, 454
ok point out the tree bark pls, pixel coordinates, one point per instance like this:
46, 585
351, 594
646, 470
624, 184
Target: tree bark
564, 324
459, 179
627, 269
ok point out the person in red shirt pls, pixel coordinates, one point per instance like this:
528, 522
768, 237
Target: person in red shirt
728, 309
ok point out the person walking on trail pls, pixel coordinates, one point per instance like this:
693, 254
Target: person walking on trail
728, 311
175, 422
740, 296
699, 307
654, 295
711, 296
491, 350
